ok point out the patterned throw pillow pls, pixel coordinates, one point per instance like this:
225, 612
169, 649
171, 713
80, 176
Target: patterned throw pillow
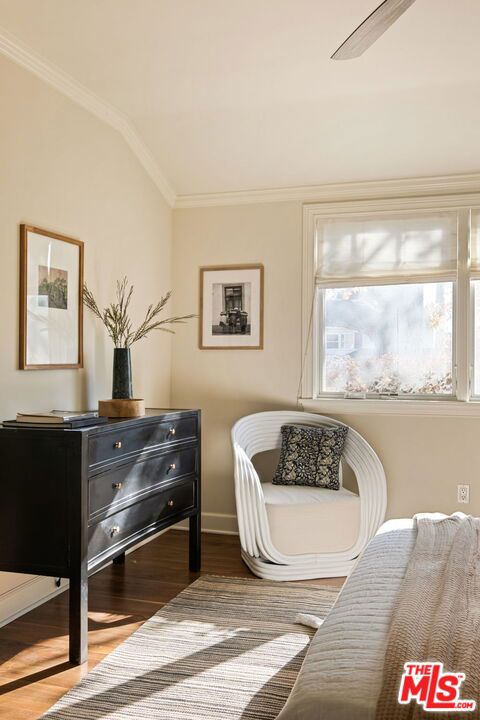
311, 455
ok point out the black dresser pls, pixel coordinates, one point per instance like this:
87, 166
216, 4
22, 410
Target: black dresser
73, 500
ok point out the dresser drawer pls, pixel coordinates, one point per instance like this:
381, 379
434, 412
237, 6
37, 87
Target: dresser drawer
125, 484
128, 526
111, 446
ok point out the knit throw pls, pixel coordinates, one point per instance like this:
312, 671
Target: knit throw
437, 614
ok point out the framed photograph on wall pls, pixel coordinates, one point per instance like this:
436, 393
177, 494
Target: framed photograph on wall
51, 311
231, 307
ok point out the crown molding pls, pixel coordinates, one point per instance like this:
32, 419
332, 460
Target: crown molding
19, 53
404, 187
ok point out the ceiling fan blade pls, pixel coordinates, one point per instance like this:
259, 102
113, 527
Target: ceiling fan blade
371, 29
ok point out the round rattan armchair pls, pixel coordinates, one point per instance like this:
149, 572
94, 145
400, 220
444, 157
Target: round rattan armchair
297, 533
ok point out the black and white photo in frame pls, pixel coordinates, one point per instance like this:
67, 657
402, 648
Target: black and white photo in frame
231, 307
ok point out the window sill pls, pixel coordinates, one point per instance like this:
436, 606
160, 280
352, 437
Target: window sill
432, 408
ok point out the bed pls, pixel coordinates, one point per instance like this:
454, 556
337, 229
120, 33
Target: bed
341, 676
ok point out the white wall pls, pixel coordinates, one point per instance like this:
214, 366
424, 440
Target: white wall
424, 457
64, 170
227, 384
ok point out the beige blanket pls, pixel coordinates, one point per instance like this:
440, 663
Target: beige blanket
437, 612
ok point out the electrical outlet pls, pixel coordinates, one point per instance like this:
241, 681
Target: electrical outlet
463, 494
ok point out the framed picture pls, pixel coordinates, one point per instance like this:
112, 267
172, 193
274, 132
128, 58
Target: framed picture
231, 307
51, 310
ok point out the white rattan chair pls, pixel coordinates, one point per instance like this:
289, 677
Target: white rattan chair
261, 504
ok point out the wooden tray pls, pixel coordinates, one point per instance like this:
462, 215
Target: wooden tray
134, 407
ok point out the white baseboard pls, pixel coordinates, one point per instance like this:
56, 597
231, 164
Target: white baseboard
36, 590
216, 523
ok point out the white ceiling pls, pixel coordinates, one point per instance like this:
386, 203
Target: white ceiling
241, 94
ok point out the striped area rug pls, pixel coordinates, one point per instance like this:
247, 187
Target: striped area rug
223, 649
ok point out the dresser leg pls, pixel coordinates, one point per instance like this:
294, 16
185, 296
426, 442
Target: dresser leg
78, 609
195, 543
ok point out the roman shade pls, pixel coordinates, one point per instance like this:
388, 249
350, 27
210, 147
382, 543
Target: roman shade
353, 251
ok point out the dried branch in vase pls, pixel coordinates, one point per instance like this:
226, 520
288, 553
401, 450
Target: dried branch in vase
117, 320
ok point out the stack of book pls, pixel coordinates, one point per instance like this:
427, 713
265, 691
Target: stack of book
57, 418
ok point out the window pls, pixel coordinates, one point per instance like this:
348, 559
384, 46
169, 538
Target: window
392, 306
232, 297
401, 339
341, 340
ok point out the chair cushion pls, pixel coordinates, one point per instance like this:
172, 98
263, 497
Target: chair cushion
305, 520
310, 455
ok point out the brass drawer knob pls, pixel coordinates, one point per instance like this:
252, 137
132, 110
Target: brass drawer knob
170, 503
114, 531
117, 445
171, 431
117, 486
172, 466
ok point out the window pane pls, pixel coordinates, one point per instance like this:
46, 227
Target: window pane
389, 339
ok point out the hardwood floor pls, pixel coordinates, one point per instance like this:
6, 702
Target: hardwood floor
34, 649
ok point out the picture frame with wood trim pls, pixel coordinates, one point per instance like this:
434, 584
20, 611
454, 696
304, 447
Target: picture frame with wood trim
231, 307
51, 307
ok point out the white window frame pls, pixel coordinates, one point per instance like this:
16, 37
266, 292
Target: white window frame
462, 402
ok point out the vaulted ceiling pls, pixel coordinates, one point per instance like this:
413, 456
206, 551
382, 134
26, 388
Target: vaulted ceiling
241, 94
